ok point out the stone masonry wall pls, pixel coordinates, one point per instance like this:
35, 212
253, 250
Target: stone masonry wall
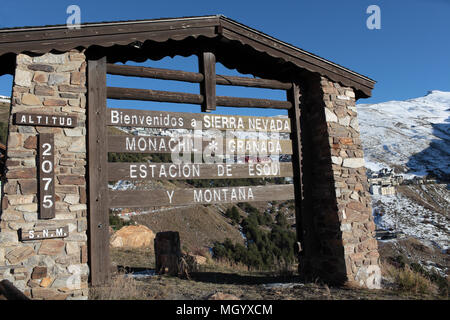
344, 248
52, 268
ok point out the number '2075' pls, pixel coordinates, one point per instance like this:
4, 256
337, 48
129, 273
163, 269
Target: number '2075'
47, 176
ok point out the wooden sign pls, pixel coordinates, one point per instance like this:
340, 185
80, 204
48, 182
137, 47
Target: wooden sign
48, 120
46, 176
171, 171
60, 232
157, 144
186, 120
160, 197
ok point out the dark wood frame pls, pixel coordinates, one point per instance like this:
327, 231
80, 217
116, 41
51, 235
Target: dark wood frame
98, 93
99, 259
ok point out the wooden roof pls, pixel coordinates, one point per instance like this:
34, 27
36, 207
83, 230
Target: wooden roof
236, 46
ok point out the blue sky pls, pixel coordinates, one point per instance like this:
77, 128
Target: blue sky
408, 56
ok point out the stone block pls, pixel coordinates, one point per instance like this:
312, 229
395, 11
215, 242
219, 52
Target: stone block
47, 294
31, 207
31, 100
353, 162
72, 248
21, 173
40, 77
11, 216
23, 78
43, 90
39, 272
46, 282
51, 247
71, 180
31, 216
54, 102
19, 199
50, 58
28, 187
19, 254
72, 198
41, 67
330, 116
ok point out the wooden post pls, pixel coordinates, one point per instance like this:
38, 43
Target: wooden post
98, 175
293, 96
167, 252
207, 67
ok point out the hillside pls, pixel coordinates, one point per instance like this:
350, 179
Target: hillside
411, 136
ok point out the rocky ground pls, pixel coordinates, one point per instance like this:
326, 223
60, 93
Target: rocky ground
134, 279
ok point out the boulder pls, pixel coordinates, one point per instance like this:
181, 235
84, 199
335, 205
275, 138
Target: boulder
222, 296
133, 237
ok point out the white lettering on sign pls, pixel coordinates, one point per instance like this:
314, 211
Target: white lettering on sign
236, 123
59, 232
45, 120
264, 169
46, 176
242, 146
142, 171
223, 194
119, 118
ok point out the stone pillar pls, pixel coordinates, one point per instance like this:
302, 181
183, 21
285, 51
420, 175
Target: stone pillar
51, 268
340, 244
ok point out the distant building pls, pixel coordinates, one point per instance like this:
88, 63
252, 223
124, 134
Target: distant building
384, 181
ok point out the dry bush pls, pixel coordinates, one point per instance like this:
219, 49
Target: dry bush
407, 280
282, 268
121, 287
226, 265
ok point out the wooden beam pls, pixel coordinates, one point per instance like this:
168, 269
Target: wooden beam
99, 259
293, 96
153, 95
161, 197
207, 67
154, 73
171, 171
252, 103
190, 98
194, 77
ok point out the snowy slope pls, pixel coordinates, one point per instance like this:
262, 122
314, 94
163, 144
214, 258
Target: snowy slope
412, 136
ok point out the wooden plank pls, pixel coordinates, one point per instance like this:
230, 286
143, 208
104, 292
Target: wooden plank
161, 197
251, 82
171, 171
47, 120
187, 120
49, 233
194, 77
191, 98
154, 73
98, 173
207, 67
153, 95
46, 176
252, 103
189, 144
293, 95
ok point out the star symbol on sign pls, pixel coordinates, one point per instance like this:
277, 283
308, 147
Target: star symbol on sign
213, 145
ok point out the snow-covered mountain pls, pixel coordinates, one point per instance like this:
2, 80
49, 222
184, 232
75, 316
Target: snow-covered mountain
412, 136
